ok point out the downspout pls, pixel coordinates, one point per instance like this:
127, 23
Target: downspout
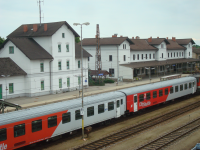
50, 75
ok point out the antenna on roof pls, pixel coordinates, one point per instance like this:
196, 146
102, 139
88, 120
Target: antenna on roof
40, 10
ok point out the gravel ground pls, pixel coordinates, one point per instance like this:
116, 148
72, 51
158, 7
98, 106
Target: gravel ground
139, 139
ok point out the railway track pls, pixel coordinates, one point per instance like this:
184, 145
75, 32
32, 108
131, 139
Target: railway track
172, 137
121, 135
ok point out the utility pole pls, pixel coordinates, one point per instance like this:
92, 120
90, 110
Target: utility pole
40, 10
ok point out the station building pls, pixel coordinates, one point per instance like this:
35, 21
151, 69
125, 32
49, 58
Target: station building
130, 58
41, 59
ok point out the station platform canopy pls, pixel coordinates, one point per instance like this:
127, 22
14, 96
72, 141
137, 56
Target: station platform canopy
4, 104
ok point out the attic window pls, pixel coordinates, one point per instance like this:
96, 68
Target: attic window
11, 50
63, 35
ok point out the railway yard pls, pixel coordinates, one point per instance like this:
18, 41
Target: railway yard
146, 126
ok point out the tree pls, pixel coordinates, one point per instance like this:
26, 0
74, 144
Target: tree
77, 39
196, 46
1, 40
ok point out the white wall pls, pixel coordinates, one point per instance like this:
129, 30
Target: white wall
144, 55
161, 51
175, 51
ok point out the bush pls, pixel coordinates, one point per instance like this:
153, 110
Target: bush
109, 81
96, 83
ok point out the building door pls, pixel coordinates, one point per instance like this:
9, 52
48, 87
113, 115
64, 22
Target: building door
135, 103
0, 91
118, 108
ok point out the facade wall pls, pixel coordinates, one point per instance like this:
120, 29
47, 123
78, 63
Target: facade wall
136, 53
175, 54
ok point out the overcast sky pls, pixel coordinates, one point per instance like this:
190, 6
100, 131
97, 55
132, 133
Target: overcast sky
143, 18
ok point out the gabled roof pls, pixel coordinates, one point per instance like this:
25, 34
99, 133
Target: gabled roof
78, 52
51, 29
29, 47
196, 50
174, 46
184, 41
106, 41
9, 67
157, 41
141, 44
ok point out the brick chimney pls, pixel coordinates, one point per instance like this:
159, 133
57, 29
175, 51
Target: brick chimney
121, 36
137, 37
174, 39
45, 27
158, 37
132, 37
150, 39
25, 27
35, 27
115, 35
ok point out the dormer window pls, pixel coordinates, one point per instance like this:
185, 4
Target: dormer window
63, 35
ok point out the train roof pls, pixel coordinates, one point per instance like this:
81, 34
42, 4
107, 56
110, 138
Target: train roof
38, 111
157, 85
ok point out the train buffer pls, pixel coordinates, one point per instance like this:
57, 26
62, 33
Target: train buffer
4, 104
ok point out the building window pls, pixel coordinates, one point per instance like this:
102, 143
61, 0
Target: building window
138, 56
171, 54
59, 65
59, 48
41, 67
100, 108
79, 80
112, 72
168, 55
149, 56
67, 64
60, 83
110, 57
177, 54
189, 53
52, 121
124, 46
3, 134
133, 56
124, 57
88, 58
162, 45
110, 106
162, 55
146, 56
19, 130
153, 56
78, 115
11, 88
142, 56
42, 85
161, 68
174, 54
68, 82
66, 117
142, 70
67, 47
63, 35
11, 49
36, 125
182, 53
79, 64
90, 111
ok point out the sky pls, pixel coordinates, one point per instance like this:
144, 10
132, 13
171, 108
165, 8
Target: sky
143, 18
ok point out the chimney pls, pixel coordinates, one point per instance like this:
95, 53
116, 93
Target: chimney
121, 36
137, 37
115, 35
25, 27
158, 37
167, 38
150, 39
45, 27
174, 39
132, 37
35, 27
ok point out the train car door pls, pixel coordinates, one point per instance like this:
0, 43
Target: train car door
118, 108
135, 103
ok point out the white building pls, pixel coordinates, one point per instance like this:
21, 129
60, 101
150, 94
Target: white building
135, 57
48, 55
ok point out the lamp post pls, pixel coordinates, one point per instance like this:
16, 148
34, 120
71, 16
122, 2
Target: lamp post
82, 113
5, 76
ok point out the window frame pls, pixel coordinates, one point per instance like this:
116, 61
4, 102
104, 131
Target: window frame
181, 87
133, 56
40, 125
63, 35
67, 65
190, 85
19, 129
176, 89
59, 48
90, 111
121, 101
111, 106
60, 83
185, 86
59, 65
154, 94
11, 88
52, 119
42, 85
66, 117
110, 57
161, 93
141, 97
41, 67
11, 49
112, 72
78, 115
101, 108
79, 64
171, 90
67, 47
148, 96
68, 82
166, 91
3, 134
124, 57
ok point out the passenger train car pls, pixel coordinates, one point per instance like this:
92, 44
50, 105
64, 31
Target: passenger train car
28, 126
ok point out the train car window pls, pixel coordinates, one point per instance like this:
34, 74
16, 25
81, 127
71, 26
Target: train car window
135, 99
171, 90
148, 96
181, 87
19, 130
160, 93
90, 111
110, 106
36, 125
66, 117
176, 88
190, 85
141, 97
3, 134
52, 121
186, 86
118, 104
77, 115
121, 101
154, 94
166, 91
100, 108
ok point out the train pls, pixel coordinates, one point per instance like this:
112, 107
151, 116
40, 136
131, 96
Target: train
28, 126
